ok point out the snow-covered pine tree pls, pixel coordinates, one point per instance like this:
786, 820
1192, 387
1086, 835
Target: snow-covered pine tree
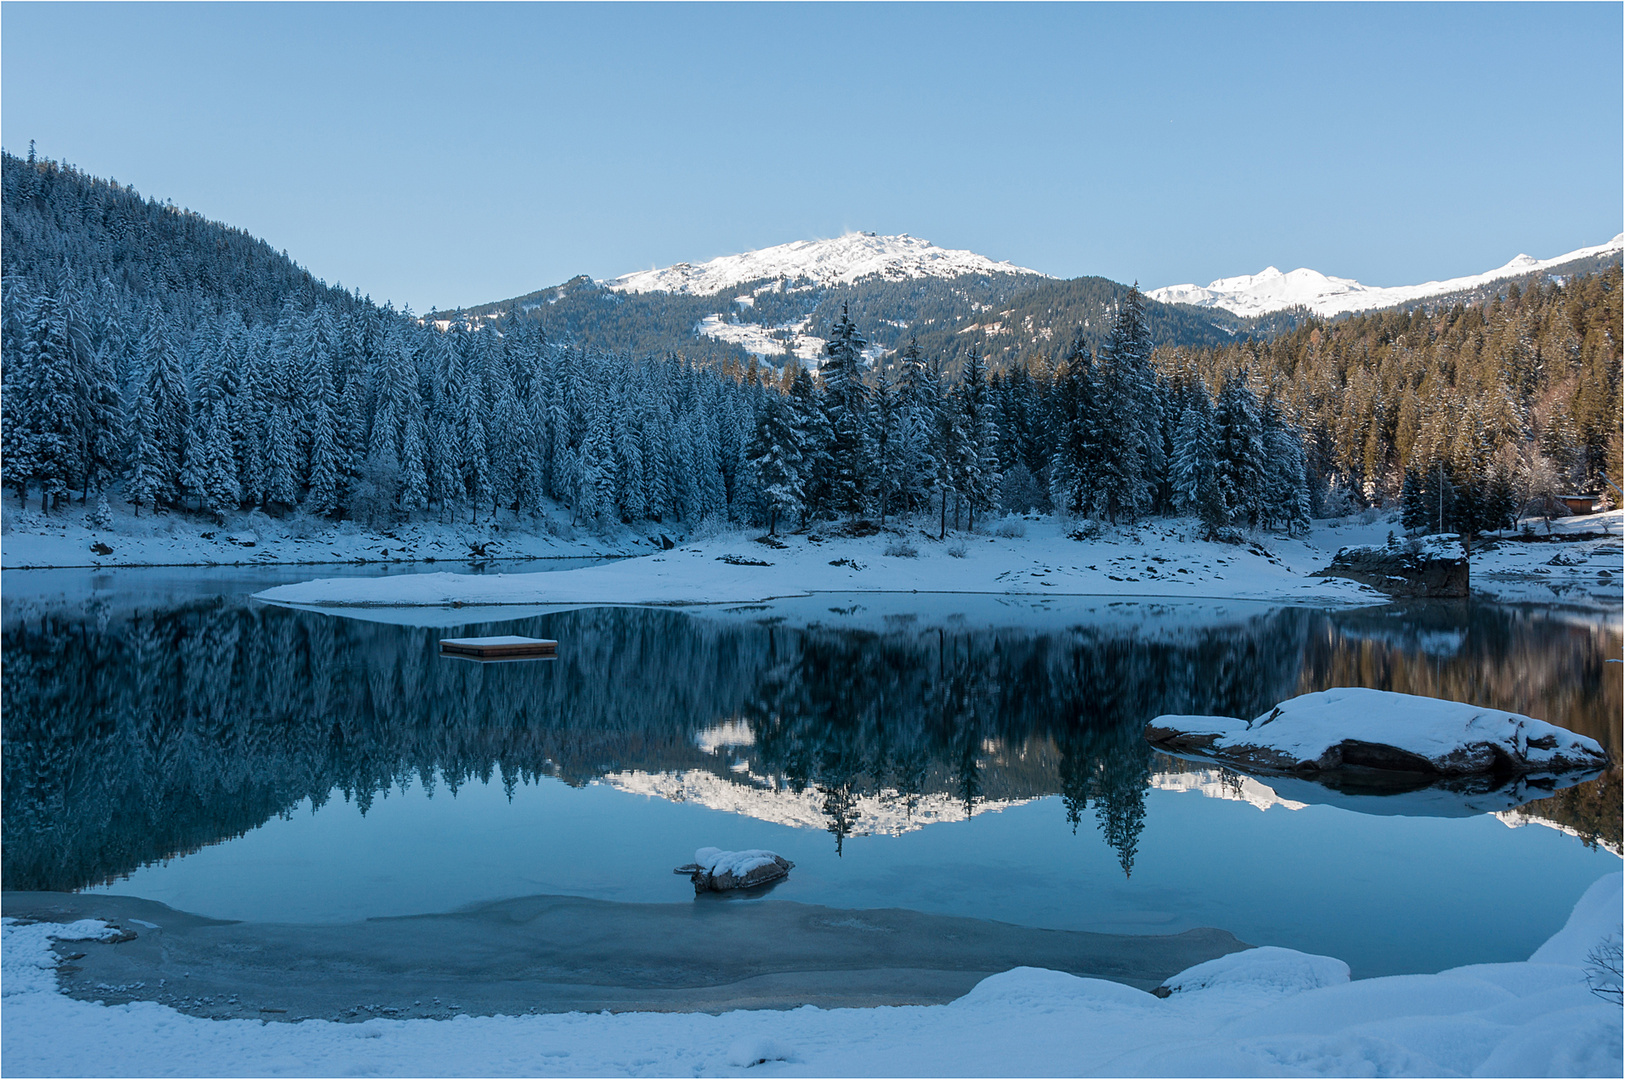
1195, 466
1286, 481
327, 465
846, 399
1241, 450
1412, 510
414, 466
16, 310
775, 456
221, 491
162, 415
630, 495
595, 471
1122, 490
917, 409
48, 406
1132, 399
948, 450
1076, 460
979, 453
884, 440
812, 427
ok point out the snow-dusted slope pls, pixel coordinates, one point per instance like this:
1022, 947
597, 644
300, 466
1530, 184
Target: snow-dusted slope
1271, 290
839, 261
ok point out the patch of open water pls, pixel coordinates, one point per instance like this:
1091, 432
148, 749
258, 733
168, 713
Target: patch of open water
959, 755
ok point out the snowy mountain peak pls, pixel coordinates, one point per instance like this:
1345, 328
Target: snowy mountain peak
838, 261
1271, 290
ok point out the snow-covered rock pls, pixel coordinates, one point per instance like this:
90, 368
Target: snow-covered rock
1271, 290
838, 261
1265, 970
1379, 729
715, 870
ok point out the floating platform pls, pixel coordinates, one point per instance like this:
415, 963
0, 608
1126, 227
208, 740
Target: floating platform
499, 648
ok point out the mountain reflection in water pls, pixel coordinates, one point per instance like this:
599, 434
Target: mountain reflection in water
137, 735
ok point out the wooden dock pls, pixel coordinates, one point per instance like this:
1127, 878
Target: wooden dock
499, 648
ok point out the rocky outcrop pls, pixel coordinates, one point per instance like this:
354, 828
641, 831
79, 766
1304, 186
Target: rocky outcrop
1354, 728
714, 870
1432, 567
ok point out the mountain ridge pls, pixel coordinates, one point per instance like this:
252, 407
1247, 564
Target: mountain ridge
1270, 290
842, 260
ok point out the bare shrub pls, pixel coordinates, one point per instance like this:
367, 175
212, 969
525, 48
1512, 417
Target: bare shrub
901, 549
1603, 969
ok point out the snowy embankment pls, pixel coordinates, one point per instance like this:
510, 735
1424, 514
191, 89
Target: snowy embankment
1037, 557
64, 539
1261, 1012
1581, 559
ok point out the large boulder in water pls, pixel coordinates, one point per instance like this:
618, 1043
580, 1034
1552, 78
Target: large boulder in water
1356, 728
1432, 566
715, 870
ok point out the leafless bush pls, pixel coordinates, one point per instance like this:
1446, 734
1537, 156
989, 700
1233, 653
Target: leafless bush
1603, 969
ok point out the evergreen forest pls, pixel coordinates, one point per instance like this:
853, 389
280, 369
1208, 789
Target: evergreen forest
181, 366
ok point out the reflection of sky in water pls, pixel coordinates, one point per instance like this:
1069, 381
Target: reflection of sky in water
1388, 894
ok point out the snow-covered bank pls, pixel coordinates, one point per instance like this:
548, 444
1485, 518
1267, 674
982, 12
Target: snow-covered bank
32, 539
1581, 561
1264, 1012
1033, 557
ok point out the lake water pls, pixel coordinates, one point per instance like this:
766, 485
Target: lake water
167, 737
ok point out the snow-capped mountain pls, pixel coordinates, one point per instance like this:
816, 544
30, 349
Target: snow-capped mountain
839, 261
1271, 290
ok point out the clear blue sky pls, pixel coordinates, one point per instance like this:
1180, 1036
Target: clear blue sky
443, 155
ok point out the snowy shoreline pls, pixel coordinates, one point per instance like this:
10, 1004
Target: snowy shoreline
1259, 1012
1022, 557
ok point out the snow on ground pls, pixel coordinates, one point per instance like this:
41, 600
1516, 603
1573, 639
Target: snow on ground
1158, 558
1262, 1012
1271, 290
34, 539
1567, 571
1453, 736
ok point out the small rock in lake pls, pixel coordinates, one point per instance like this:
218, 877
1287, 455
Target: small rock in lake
715, 870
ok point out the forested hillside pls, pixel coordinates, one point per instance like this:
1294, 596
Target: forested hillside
1006, 318
152, 365
179, 365
1509, 399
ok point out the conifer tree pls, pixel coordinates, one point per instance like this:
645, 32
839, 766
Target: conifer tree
1196, 460
978, 478
846, 406
1078, 456
775, 455
1241, 451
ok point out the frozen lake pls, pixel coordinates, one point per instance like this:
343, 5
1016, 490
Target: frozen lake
168, 738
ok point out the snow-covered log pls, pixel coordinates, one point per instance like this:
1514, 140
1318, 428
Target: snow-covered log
715, 870
1353, 727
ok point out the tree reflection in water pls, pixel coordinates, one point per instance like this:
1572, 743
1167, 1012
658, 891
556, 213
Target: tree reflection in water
137, 737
